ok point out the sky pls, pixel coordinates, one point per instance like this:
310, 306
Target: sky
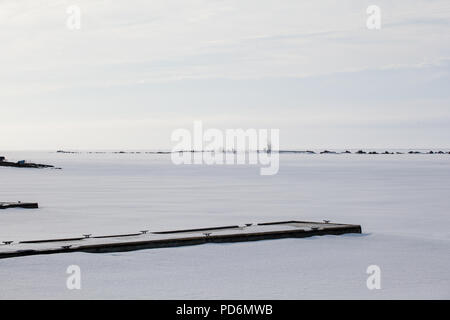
137, 70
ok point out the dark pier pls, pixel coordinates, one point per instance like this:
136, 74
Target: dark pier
177, 238
25, 205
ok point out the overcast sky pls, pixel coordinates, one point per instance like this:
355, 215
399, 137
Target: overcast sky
137, 70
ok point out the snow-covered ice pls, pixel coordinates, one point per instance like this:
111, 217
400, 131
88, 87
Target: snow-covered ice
401, 201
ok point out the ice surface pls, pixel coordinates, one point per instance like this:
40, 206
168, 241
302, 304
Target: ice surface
401, 201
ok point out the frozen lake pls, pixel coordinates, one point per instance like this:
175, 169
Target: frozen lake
401, 201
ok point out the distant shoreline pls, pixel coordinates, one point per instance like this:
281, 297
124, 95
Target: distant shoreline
358, 152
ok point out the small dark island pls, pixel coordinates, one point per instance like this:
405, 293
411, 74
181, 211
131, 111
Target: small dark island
23, 164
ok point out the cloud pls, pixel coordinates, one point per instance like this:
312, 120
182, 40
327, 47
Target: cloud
233, 55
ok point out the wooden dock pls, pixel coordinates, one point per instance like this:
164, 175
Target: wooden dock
176, 238
25, 205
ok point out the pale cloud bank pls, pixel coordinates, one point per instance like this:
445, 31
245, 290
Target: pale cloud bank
138, 69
